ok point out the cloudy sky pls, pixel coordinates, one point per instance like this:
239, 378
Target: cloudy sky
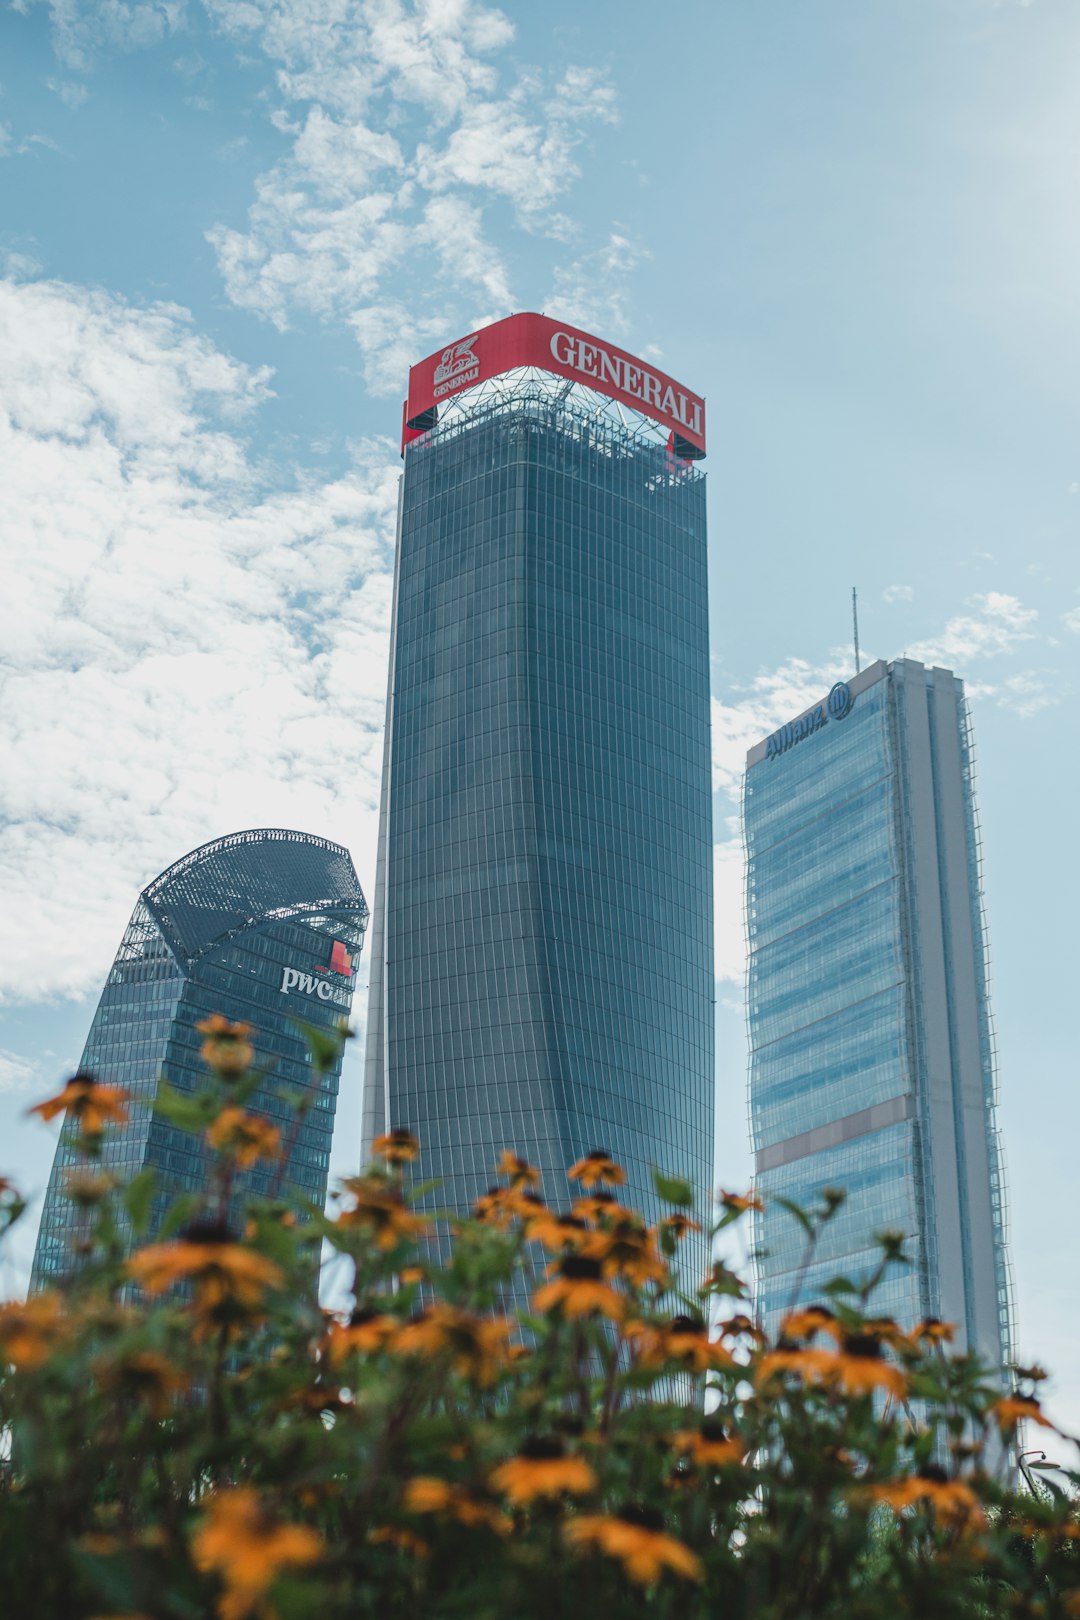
227, 227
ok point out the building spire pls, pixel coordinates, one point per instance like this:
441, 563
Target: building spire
855, 624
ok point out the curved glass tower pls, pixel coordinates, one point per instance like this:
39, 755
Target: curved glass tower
263, 926
542, 968
872, 1062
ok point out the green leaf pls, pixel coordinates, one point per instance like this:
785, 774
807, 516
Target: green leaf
839, 1285
673, 1189
180, 1214
323, 1044
722, 1280
799, 1213
188, 1111
137, 1199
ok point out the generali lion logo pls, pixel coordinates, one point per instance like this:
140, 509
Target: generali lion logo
457, 363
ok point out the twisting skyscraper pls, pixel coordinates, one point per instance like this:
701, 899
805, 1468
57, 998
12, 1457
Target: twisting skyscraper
542, 959
872, 1063
264, 927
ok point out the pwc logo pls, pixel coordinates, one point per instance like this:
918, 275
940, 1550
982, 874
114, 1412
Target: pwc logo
340, 960
307, 983
457, 365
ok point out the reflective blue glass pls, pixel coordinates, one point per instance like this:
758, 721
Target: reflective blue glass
871, 1064
546, 982
263, 927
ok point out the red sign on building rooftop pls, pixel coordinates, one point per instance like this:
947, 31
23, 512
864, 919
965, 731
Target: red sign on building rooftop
535, 340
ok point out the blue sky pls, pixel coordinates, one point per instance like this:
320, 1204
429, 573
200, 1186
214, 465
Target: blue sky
227, 227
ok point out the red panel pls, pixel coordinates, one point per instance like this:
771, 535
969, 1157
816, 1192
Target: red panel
534, 340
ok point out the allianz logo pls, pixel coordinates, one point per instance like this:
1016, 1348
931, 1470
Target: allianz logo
837, 706
309, 985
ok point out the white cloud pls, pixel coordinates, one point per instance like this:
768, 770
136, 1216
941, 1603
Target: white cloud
188, 650
11, 146
81, 30
898, 593
403, 137
520, 146
1071, 620
17, 1073
71, 94
408, 126
754, 711
593, 291
997, 624
341, 53
1027, 694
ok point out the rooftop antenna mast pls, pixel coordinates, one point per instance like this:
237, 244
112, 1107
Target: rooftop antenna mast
855, 625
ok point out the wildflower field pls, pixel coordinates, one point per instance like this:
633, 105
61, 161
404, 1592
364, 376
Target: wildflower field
543, 1416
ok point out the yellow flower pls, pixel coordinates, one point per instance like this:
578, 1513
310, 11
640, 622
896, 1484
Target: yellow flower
498, 1207
555, 1232
542, 1468
226, 1049
888, 1332
812, 1366
934, 1331
395, 1536
596, 1168
639, 1544
365, 1333
244, 1137
520, 1171
92, 1106
738, 1203
597, 1206
242, 1543
475, 1344
144, 1376
396, 1147
426, 1494
950, 1498
226, 1277
861, 1368
30, 1330
679, 1225
380, 1207
804, 1324
1011, 1408
739, 1326
625, 1247
87, 1187
708, 1446
580, 1290
684, 1340
856, 1369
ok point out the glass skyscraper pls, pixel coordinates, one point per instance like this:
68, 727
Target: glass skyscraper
264, 927
872, 1058
542, 945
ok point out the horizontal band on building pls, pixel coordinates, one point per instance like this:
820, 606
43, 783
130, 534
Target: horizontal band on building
836, 1131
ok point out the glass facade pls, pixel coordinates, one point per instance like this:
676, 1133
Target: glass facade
871, 1064
263, 926
542, 971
